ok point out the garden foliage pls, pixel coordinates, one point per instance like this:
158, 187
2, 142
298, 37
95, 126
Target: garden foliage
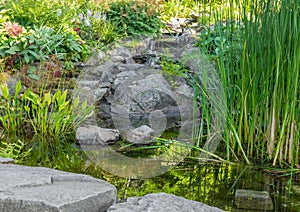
254, 45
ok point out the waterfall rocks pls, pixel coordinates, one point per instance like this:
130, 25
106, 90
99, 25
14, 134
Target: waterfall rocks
129, 88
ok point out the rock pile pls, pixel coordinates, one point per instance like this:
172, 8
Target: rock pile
130, 89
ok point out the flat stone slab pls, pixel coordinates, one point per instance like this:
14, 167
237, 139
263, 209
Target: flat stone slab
6, 161
161, 202
94, 135
253, 200
24, 188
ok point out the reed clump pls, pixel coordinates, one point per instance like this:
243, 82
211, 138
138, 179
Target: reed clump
262, 82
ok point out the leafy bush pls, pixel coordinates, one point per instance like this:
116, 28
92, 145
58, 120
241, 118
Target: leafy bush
65, 45
16, 151
179, 9
38, 43
95, 29
48, 118
134, 17
54, 14
223, 39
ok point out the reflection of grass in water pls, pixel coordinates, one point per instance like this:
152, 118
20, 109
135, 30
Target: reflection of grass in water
211, 183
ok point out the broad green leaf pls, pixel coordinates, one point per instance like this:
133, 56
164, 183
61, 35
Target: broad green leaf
12, 50
48, 98
5, 91
84, 104
34, 54
76, 103
9, 51
63, 105
33, 76
18, 89
26, 58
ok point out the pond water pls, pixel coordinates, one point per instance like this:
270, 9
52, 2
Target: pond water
214, 184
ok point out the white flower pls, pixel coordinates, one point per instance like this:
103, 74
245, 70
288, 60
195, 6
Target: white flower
59, 12
81, 16
89, 13
87, 22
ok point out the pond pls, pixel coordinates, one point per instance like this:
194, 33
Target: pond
214, 184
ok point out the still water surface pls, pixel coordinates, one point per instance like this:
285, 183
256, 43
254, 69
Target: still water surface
215, 184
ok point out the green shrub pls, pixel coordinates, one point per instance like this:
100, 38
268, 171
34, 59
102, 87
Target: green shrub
45, 121
179, 9
223, 40
54, 14
66, 45
134, 17
38, 43
16, 151
95, 30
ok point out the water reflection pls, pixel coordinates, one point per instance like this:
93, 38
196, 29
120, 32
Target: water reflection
214, 184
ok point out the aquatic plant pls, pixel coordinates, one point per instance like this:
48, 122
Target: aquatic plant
16, 151
45, 121
262, 85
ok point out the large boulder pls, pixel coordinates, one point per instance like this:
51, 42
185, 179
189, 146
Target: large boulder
29, 189
146, 94
161, 202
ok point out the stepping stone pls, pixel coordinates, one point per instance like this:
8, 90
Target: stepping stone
27, 189
6, 161
253, 200
161, 202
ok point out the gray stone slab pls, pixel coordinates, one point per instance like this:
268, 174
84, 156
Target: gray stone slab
24, 188
94, 135
6, 161
161, 202
253, 200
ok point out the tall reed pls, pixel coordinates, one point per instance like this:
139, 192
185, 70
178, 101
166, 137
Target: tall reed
263, 86
271, 89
